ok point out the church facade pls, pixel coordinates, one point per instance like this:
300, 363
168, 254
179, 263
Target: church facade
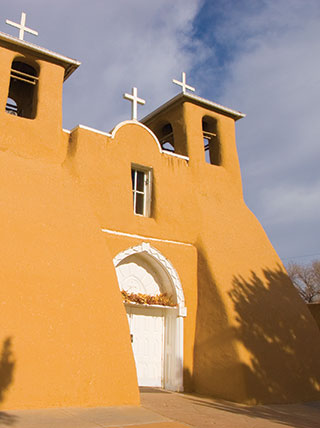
130, 258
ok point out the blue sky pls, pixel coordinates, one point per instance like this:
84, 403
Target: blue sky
259, 57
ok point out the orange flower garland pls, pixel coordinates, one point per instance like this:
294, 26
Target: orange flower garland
144, 299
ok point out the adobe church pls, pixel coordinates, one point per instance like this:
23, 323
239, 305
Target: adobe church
130, 258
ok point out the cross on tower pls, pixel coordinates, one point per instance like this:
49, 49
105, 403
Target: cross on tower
135, 101
22, 26
183, 84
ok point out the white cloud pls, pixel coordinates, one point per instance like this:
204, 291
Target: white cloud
291, 203
274, 77
121, 43
259, 57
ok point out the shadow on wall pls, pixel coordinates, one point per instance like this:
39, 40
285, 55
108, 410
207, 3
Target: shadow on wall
188, 384
214, 354
314, 309
7, 364
280, 336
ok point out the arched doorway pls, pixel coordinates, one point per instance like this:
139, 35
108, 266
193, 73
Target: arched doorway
156, 331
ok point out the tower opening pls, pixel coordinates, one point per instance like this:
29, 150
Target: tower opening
166, 138
22, 94
211, 141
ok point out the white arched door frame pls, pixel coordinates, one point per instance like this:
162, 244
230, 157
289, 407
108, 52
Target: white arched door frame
173, 379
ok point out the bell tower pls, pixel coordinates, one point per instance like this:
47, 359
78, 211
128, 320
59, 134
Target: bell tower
203, 132
31, 80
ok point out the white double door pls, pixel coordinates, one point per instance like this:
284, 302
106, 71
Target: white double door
147, 329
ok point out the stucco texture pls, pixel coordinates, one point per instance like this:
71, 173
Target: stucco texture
64, 333
255, 341
64, 338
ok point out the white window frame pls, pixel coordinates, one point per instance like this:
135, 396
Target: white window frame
147, 186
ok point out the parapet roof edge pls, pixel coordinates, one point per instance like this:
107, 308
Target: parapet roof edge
190, 97
69, 64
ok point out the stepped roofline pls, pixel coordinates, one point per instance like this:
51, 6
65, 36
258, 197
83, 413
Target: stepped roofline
180, 98
11, 42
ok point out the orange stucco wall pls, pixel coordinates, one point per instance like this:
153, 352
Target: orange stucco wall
25, 137
246, 347
61, 306
65, 337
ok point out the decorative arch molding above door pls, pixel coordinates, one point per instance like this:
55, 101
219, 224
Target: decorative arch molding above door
146, 249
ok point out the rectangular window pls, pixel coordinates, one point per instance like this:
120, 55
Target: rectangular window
141, 189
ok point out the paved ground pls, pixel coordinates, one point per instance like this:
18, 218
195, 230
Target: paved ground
101, 417
162, 409
203, 412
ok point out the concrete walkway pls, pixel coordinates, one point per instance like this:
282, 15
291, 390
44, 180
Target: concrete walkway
162, 409
201, 412
101, 417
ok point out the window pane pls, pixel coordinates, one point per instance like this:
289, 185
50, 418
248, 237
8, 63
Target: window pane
132, 177
133, 195
140, 181
139, 203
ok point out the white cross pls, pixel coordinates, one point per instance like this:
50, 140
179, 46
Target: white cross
183, 84
135, 101
22, 26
